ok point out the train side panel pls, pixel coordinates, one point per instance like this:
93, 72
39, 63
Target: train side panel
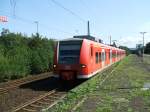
84, 60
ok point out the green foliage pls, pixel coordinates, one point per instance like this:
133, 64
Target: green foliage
21, 55
147, 48
42, 55
126, 49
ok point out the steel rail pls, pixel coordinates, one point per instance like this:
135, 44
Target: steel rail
44, 101
5, 87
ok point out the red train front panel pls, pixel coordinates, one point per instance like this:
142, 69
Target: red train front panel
66, 61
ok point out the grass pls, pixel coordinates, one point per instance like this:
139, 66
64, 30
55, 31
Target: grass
147, 59
121, 92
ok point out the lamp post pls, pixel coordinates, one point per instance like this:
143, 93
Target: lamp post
110, 39
143, 33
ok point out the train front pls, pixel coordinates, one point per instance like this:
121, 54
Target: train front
66, 59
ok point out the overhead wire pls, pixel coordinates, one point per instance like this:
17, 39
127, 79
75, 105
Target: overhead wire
33, 22
13, 6
11, 2
68, 10
17, 17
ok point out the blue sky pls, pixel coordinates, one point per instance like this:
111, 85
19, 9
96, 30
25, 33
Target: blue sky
122, 19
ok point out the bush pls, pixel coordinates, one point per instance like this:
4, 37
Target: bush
19, 60
21, 55
4, 66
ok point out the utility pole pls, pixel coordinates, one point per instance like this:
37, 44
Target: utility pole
110, 39
37, 27
88, 28
143, 33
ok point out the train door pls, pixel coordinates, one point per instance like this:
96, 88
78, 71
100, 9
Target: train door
110, 56
106, 57
116, 55
91, 57
57, 51
103, 56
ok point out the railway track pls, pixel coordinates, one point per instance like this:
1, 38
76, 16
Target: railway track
109, 71
45, 101
37, 104
5, 87
48, 100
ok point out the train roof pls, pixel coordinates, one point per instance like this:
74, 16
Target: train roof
72, 39
77, 38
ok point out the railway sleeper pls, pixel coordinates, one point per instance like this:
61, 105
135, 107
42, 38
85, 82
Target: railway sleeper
29, 110
55, 97
46, 99
45, 103
32, 107
3, 89
36, 106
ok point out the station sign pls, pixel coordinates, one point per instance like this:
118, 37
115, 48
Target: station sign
3, 19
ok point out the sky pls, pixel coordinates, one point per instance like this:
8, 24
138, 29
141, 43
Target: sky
120, 19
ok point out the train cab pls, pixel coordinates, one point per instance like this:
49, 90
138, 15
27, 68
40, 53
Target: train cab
67, 63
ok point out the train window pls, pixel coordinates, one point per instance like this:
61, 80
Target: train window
103, 56
91, 51
96, 56
99, 57
110, 55
69, 52
116, 54
113, 54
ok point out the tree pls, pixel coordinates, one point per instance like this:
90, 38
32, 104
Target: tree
126, 49
147, 48
4, 32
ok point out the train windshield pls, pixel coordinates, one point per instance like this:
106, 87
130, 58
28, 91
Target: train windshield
69, 52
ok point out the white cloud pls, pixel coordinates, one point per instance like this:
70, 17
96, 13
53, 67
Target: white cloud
131, 41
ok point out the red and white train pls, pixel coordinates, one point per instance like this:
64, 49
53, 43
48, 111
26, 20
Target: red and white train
82, 57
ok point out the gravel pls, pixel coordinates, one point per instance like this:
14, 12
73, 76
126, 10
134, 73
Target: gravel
26, 92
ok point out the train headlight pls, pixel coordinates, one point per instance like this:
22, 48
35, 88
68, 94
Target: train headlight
54, 66
83, 66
